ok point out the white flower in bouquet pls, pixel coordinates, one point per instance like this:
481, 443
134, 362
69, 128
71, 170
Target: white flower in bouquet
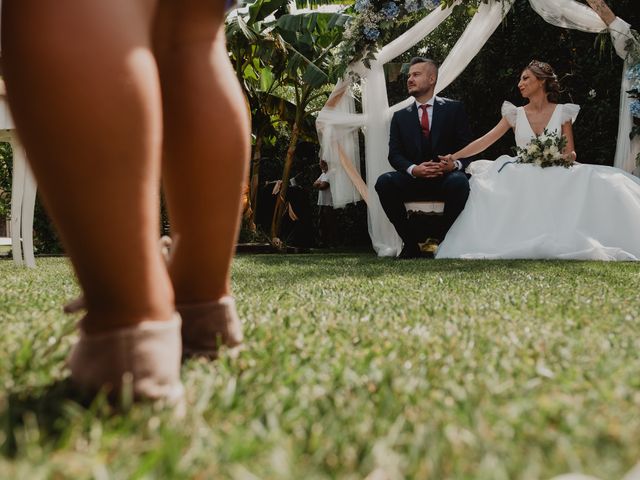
544, 150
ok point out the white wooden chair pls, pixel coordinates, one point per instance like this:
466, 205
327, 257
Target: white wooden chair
23, 190
428, 207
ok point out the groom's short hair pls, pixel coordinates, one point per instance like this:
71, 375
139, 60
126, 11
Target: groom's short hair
416, 60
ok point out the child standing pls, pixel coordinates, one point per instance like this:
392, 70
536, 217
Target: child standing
326, 220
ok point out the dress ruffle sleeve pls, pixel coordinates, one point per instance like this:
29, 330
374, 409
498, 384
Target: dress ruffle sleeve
569, 112
510, 113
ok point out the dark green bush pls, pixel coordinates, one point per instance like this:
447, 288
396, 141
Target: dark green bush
6, 164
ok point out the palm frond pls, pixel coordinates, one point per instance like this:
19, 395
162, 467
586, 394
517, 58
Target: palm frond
319, 3
297, 61
245, 29
307, 22
261, 9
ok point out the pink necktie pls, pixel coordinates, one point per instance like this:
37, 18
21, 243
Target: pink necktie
424, 123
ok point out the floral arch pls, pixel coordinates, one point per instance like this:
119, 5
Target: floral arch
338, 122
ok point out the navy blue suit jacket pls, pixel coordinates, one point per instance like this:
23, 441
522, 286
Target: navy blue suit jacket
449, 133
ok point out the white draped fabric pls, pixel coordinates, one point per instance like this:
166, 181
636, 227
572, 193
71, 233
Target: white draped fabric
337, 128
343, 135
568, 14
626, 151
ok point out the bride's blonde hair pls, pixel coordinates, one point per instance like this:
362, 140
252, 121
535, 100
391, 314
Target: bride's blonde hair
544, 71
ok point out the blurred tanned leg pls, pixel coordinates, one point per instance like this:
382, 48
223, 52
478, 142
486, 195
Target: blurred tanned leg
83, 86
206, 146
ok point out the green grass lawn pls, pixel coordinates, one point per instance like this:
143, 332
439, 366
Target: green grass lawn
410, 369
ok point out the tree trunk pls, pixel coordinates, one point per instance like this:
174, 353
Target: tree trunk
278, 212
254, 183
603, 10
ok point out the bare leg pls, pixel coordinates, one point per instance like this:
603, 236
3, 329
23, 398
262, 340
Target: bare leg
206, 147
83, 86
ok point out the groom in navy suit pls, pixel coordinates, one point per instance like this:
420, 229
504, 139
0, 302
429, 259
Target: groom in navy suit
421, 135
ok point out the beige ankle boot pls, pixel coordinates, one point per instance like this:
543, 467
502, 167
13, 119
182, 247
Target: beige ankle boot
209, 325
146, 355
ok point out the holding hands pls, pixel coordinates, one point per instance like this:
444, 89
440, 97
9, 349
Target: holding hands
434, 169
427, 170
448, 162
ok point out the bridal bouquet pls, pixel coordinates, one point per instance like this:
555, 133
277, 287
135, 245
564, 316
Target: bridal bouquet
544, 150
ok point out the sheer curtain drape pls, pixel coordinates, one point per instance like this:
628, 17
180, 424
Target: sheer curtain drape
338, 125
626, 151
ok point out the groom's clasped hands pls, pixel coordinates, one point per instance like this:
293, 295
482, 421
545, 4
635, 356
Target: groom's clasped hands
434, 169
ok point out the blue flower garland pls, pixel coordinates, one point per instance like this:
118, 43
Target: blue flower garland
371, 24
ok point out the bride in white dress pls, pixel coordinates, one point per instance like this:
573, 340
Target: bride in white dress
525, 211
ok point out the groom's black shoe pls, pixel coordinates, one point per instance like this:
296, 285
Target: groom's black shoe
410, 251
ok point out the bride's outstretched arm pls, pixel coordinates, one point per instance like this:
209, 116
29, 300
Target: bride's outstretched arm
485, 141
570, 149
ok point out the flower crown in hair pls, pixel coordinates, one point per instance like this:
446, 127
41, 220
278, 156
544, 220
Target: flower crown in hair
545, 67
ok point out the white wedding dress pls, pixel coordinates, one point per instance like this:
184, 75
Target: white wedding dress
586, 212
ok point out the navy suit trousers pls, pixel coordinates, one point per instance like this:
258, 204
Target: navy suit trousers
396, 188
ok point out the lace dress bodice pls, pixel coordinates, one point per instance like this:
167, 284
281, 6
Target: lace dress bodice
517, 118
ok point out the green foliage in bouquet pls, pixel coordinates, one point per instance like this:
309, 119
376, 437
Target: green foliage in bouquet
545, 150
